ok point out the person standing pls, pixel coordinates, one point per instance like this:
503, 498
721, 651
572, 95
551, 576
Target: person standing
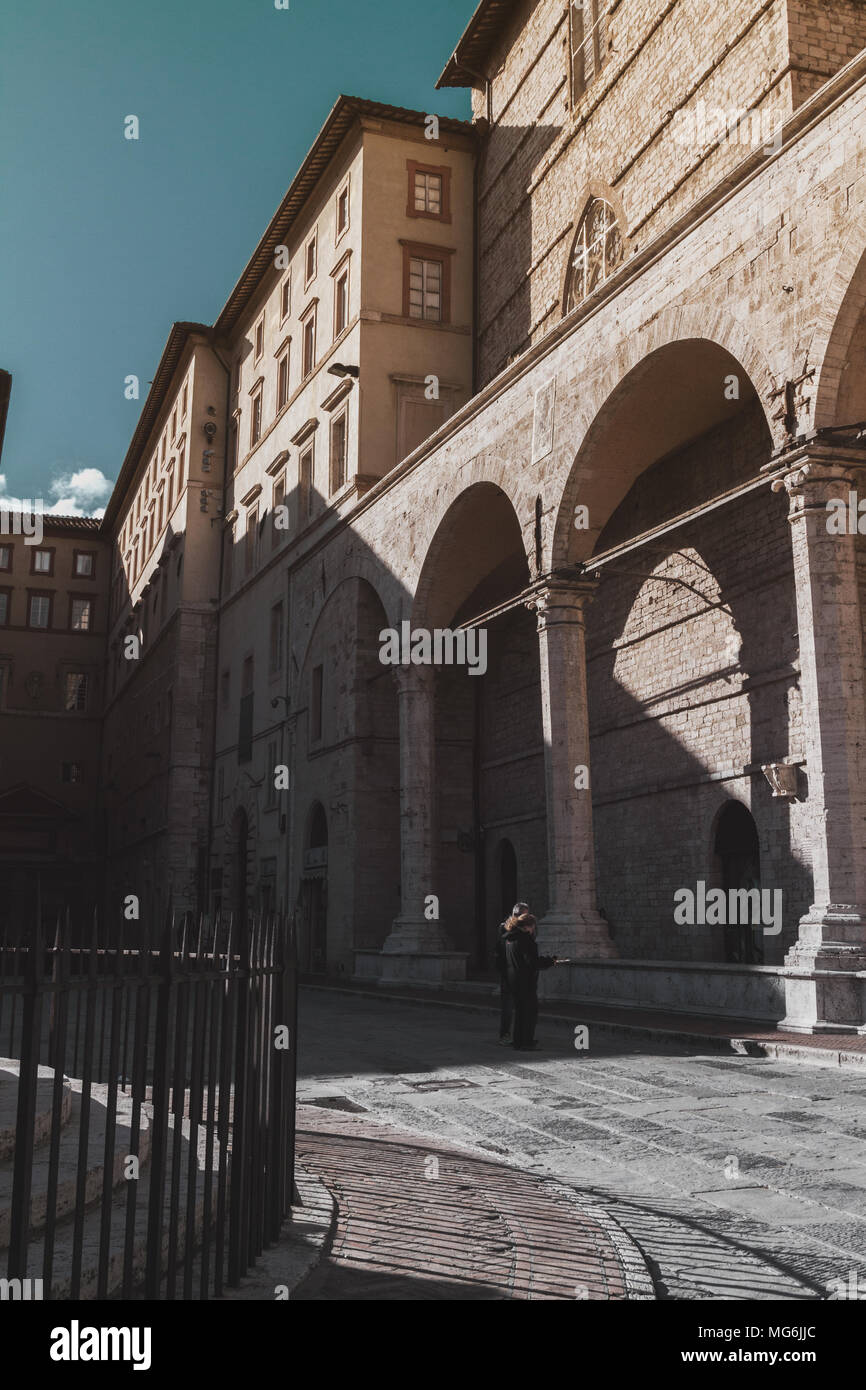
524, 963
506, 1007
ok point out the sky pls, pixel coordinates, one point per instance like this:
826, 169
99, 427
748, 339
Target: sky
105, 242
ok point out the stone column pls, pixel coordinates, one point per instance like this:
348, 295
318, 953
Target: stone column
825, 985
572, 926
413, 932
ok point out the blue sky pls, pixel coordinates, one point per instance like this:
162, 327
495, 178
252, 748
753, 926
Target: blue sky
105, 242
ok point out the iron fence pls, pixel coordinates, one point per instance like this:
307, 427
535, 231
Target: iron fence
150, 1098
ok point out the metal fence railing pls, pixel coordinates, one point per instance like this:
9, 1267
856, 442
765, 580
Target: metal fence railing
150, 1101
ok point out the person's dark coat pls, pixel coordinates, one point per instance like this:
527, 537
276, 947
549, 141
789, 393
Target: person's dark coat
523, 963
506, 1003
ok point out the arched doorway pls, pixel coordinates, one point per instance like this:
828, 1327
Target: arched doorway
489, 746
738, 865
507, 877
313, 926
241, 869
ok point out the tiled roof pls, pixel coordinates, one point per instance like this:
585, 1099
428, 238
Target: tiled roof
467, 60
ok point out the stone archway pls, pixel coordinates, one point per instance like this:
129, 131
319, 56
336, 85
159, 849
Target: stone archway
487, 740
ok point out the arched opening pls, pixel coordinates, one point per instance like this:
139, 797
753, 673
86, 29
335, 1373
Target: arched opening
738, 865
506, 877
240, 869
313, 926
488, 732
692, 685
596, 252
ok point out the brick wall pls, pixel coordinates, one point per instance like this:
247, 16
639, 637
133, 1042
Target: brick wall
692, 678
647, 132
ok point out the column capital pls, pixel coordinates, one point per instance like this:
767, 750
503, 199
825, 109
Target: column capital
561, 596
413, 680
818, 471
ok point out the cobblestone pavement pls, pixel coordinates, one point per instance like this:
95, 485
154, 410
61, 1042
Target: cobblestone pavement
738, 1177
422, 1221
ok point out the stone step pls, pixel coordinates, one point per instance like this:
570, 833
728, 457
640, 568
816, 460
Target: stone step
67, 1172
61, 1283
9, 1105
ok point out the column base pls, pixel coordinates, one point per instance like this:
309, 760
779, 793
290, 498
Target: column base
825, 989
575, 936
411, 967
415, 935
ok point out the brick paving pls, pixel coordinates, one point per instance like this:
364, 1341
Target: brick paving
423, 1222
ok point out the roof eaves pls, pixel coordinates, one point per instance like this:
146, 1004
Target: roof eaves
342, 116
171, 354
467, 61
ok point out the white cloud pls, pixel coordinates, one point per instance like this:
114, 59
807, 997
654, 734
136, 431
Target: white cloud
82, 493
79, 494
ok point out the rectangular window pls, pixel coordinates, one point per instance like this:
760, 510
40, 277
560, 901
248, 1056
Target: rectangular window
43, 562
245, 713
82, 566
341, 303
305, 483
316, 705
588, 41
256, 419
39, 611
425, 289
276, 639
338, 452
234, 448
183, 403
80, 614
72, 772
283, 380
286, 298
428, 192
342, 210
310, 260
5, 557
250, 540
260, 338
75, 690
239, 367
4, 607
174, 424
309, 342
279, 528
270, 776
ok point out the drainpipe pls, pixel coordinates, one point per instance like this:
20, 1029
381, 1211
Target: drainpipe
484, 82
213, 769
478, 833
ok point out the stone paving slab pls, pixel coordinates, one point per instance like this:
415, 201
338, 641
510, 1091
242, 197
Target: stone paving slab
737, 1035
433, 1222
624, 1125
